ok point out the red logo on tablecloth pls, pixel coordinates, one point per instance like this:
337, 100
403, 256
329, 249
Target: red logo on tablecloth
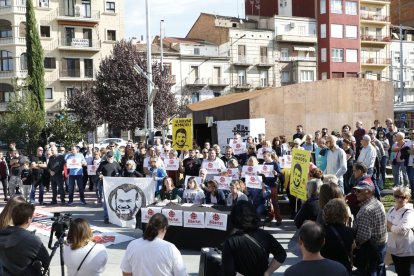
150, 212
210, 165
171, 214
222, 179
193, 216
216, 217
250, 169
171, 161
253, 179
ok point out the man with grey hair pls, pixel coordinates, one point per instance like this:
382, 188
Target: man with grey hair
336, 160
368, 155
380, 153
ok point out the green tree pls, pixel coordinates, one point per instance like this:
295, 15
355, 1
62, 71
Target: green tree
35, 63
65, 129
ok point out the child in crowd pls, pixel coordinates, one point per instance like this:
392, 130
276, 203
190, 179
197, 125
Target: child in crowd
26, 179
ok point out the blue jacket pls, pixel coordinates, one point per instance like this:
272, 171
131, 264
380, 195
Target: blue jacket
221, 199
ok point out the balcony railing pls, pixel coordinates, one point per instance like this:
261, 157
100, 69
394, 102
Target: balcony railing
384, 61
12, 9
375, 38
195, 81
71, 73
298, 59
218, 82
374, 16
264, 61
243, 60
79, 14
81, 43
13, 40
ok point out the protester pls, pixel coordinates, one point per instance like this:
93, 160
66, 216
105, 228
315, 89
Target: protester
4, 175
82, 256
235, 194
130, 169
311, 240
329, 190
6, 214
400, 222
336, 160
76, 174
26, 176
55, 168
168, 191
272, 182
151, 255
397, 160
247, 250
310, 209
214, 195
38, 175
193, 193
15, 181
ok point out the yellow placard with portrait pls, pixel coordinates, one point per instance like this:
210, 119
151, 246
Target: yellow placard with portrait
182, 133
299, 173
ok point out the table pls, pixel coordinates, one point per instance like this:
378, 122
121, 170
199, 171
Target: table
196, 238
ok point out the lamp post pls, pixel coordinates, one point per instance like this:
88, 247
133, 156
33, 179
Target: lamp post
150, 108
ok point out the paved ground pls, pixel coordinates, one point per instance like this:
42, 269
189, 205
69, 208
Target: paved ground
93, 213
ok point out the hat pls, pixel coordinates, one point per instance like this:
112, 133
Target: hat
365, 185
110, 153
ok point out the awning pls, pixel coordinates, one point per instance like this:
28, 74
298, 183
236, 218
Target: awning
306, 49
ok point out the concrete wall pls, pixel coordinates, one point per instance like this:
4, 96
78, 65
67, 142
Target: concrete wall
328, 103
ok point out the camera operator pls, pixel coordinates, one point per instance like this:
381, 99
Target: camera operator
21, 252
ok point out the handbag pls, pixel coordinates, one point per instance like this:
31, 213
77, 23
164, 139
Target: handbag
79, 267
348, 254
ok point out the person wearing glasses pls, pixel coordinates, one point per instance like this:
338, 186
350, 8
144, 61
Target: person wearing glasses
400, 221
117, 153
370, 231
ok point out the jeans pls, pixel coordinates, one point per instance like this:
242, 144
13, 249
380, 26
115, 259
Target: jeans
371, 267
410, 173
57, 184
79, 182
99, 189
5, 184
396, 169
35, 184
402, 265
14, 182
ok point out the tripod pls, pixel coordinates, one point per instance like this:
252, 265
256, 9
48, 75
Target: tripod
58, 243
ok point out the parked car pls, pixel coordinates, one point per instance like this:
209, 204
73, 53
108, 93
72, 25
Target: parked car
105, 142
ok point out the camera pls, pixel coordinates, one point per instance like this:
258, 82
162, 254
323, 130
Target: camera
61, 223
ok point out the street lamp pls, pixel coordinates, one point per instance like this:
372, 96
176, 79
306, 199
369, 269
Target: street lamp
150, 84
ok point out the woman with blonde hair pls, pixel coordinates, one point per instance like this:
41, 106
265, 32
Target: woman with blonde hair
82, 256
5, 215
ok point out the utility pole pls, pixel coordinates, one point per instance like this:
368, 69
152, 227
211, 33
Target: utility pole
401, 54
161, 44
150, 108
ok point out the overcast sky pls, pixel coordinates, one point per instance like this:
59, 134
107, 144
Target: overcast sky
178, 15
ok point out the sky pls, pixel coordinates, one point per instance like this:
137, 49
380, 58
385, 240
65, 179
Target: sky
178, 15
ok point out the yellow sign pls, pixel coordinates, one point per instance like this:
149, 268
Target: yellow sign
299, 173
182, 133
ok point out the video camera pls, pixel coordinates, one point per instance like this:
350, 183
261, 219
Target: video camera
60, 225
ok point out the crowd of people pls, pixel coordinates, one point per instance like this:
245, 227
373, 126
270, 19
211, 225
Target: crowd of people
341, 221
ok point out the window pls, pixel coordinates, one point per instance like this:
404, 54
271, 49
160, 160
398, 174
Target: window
6, 61
323, 30
263, 53
285, 76
323, 6
284, 54
336, 6
351, 7
50, 63
110, 7
264, 79
23, 61
323, 54
337, 31
111, 35
6, 31
337, 55
22, 29
241, 77
5, 3
45, 31
351, 55
49, 93
194, 73
337, 75
88, 68
44, 3
71, 68
69, 7
306, 75
351, 31
411, 55
197, 51
397, 57
241, 51
70, 92
324, 76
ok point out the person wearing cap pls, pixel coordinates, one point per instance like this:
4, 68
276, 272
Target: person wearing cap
336, 160
371, 231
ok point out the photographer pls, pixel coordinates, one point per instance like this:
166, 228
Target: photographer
21, 252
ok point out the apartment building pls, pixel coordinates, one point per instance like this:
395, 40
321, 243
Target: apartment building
75, 35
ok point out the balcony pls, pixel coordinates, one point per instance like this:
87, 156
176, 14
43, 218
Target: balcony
70, 75
218, 82
243, 61
380, 62
12, 9
13, 74
243, 86
171, 79
297, 38
374, 17
12, 41
375, 39
78, 15
80, 44
377, 2
288, 59
264, 62
195, 82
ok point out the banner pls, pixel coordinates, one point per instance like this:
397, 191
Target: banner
321, 160
238, 146
299, 173
171, 164
182, 133
267, 170
216, 221
253, 181
194, 219
234, 173
92, 169
223, 182
175, 217
124, 197
285, 161
246, 127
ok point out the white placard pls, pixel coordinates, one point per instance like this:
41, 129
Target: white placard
267, 170
92, 169
212, 167
253, 181
171, 164
248, 170
197, 178
175, 217
261, 150
147, 213
234, 173
223, 182
215, 220
245, 127
238, 146
194, 219
124, 197
74, 162
285, 161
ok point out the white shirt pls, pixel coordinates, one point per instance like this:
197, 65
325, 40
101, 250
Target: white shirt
410, 144
157, 257
336, 162
401, 238
94, 264
367, 156
194, 196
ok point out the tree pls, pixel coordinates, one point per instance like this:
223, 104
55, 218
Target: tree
35, 65
119, 94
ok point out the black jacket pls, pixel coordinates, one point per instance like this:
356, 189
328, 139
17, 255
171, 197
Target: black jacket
19, 249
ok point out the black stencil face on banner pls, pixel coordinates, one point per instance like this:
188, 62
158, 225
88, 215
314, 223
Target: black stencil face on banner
126, 200
242, 129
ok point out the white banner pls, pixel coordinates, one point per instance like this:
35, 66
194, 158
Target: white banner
194, 219
171, 164
175, 217
285, 161
124, 197
92, 169
267, 170
223, 182
234, 173
147, 213
238, 146
216, 221
247, 127
74, 162
253, 181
